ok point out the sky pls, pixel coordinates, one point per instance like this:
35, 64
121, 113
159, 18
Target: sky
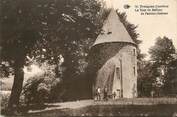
150, 26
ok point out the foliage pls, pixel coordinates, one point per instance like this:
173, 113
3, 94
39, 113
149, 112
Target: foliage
156, 75
18, 29
37, 89
4, 70
162, 52
146, 79
70, 35
170, 84
162, 57
4, 100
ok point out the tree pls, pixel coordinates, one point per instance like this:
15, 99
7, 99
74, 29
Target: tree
170, 84
162, 55
162, 52
147, 82
19, 33
62, 27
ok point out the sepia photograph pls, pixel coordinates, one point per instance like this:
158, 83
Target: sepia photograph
88, 58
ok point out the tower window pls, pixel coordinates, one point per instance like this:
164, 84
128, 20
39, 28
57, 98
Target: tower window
109, 32
134, 71
134, 52
118, 72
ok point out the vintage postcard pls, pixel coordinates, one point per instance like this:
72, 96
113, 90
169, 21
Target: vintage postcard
88, 58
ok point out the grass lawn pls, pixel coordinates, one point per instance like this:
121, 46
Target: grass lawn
139, 107
166, 110
114, 110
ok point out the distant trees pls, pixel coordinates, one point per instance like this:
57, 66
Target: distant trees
145, 80
162, 54
160, 73
170, 86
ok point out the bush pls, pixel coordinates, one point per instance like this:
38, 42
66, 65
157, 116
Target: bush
37, 90
4, 97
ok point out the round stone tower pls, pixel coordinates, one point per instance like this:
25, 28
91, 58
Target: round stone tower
114, 60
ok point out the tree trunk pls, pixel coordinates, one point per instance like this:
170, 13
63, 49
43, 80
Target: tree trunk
17, 86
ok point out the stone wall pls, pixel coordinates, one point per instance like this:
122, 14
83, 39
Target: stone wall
125, 53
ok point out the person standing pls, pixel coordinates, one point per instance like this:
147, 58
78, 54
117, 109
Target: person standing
105, 94
114, 95
98, 93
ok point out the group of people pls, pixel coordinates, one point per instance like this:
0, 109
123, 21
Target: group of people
98, 95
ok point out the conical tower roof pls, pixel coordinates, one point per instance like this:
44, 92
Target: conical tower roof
113, 31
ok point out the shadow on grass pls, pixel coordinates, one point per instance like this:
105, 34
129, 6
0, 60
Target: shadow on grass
23, 109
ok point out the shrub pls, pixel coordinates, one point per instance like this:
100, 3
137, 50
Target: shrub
4, 97
37, 90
